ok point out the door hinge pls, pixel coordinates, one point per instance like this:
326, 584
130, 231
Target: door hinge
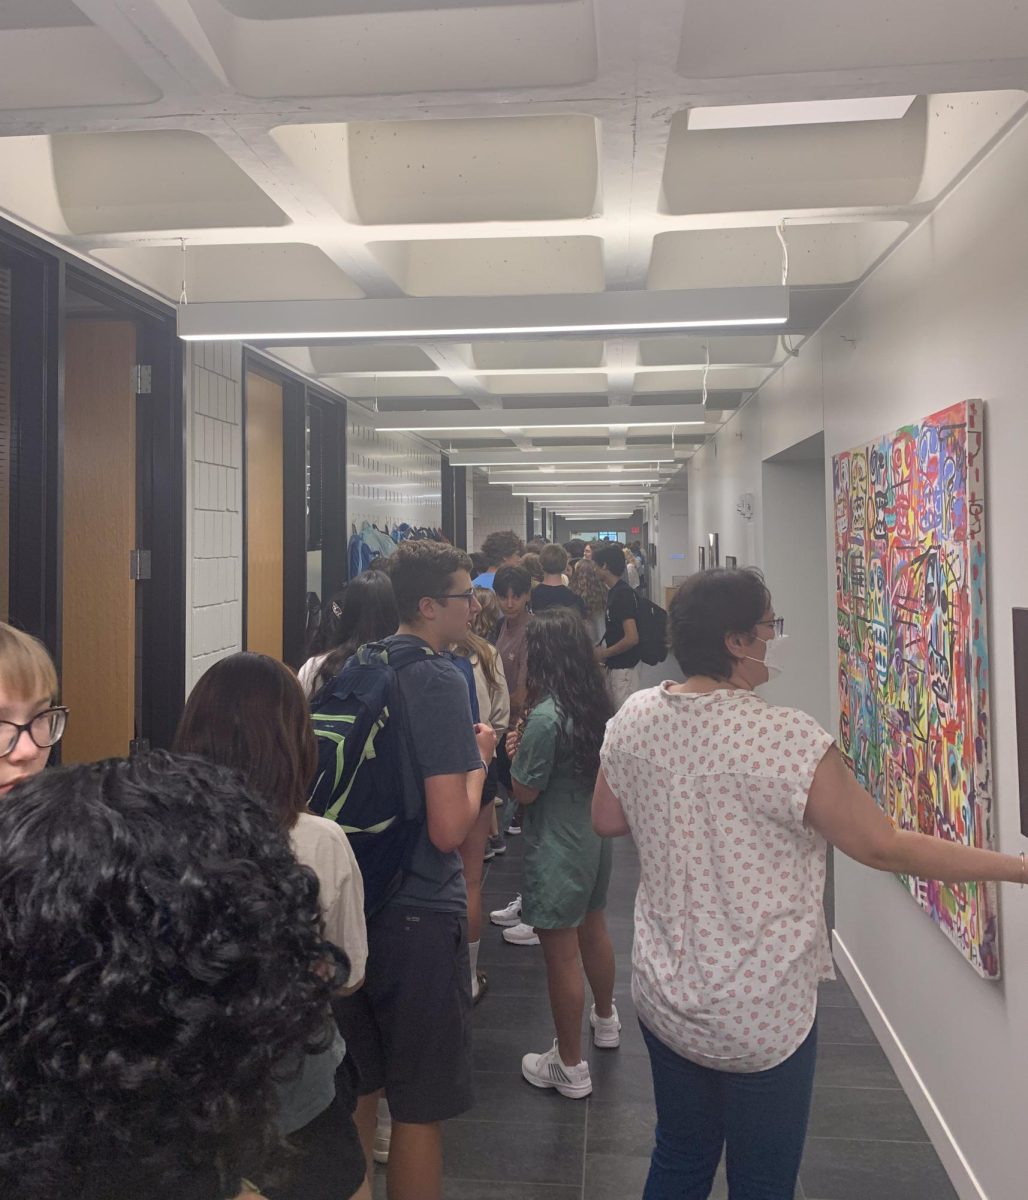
142, 380
139, 564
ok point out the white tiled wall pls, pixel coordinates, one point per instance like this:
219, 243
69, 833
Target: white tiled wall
391, 478
214, 408
495, 509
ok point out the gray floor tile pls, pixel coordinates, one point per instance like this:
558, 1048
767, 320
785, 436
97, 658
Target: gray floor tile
503, 1096
514, 1152
615, 1177
835, 993
620, 1127
854, 1067
844, 1026
835, 1169
865, 1114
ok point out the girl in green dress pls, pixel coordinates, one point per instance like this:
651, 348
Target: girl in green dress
556, 758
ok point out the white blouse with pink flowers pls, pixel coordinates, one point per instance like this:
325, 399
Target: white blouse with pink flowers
730, 936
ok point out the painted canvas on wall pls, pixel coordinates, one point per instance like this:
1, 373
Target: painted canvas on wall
913, 656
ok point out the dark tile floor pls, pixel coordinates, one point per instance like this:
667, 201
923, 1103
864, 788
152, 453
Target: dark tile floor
518, 1143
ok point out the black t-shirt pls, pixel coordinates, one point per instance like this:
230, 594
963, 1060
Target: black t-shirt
556, 595
621, 607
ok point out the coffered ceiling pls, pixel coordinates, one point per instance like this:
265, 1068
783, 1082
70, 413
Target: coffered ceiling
386, 149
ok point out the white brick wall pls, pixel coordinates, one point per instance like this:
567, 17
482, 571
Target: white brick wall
391, 477
495, 509
214, 556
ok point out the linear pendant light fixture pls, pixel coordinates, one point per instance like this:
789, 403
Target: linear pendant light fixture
460, 318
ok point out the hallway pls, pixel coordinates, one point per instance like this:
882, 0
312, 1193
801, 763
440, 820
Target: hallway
865, 1143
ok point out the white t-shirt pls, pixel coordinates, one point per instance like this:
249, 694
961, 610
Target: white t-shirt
730, 936
322, 846
308, 673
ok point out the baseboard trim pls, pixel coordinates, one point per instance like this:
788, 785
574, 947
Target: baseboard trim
957, 1167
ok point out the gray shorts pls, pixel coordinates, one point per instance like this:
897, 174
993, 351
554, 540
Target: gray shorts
408, 1029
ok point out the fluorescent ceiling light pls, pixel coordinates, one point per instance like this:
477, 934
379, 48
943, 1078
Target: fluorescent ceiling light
801, 112
462, 318
459, 460
525, 429
521, 426
542, 496
513, 483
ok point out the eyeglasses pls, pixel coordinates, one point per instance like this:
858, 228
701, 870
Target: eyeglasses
468, 595
45, 729
777, 624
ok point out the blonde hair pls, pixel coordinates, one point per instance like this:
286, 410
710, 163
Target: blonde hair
586, 582
532, 563
486, 622
26, 668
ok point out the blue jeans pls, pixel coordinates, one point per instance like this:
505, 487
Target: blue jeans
761, 1117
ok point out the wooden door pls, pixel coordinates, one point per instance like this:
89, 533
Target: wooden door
5, 441
98, 668
265, 558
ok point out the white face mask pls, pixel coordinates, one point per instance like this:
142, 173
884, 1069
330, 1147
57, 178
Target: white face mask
776, 656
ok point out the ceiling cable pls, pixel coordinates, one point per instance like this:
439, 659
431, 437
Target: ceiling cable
780, 230
706, 372
183, 298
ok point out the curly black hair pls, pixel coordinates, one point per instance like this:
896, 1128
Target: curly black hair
561, 664
160, 958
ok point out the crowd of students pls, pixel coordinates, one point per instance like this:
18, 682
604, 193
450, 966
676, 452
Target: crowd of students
206, 993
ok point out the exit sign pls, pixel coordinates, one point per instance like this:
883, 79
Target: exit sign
636, 529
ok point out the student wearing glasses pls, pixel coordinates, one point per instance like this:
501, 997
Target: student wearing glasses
409, 1028
31, 720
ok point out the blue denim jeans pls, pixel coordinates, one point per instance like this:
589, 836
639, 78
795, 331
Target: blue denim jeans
761, 1119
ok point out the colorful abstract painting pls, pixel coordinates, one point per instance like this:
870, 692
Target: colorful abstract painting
913, 656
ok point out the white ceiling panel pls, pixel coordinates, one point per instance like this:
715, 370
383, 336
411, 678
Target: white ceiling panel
309, 48
824, 253
556, 353
494, 266
235, 272
513, 385
809, 36
787, 167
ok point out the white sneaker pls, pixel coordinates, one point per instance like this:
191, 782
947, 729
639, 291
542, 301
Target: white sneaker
606, 1030
548, 1071
383, 1134
510, 915
521, 935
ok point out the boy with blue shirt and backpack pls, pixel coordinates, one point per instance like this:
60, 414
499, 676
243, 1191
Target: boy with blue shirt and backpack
409, 1029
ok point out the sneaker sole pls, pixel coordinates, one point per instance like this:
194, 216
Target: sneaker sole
569, 1093
380, 1156
609, 1045
505, 922
499, 850
530, 942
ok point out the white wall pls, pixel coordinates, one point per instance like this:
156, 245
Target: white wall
795, 537
495, 510
214, 551
391, 477
943, 319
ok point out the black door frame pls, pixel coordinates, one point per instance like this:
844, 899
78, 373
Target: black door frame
297, 394
40, 279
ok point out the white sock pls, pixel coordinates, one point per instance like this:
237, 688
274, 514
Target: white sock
473, 955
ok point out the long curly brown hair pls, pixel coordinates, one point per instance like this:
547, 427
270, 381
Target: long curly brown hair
586, 583
561, 664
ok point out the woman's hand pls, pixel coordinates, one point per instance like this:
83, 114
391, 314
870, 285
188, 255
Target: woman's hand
513, 742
